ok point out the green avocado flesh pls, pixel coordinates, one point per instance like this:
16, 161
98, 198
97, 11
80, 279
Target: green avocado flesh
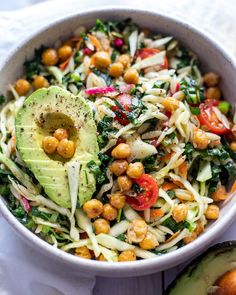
41, 114
199, 277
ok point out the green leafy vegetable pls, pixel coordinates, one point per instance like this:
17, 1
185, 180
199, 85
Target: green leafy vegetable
34, 67
149, 163
98, 174
168, 139
194, 93
2, 99
104, 128
121, 237
194, 110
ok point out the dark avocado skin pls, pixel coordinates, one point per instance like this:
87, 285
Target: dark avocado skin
188, 270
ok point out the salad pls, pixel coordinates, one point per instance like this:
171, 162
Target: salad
114, 146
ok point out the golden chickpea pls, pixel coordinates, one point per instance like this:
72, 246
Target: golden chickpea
124, 59
135, 170
124, 183
101, 257
190, 238
149, 242
220, 194
119, 167
61, 133
40, 82
121, 151
22, 87
199, 228
212, 212
50, 144
49, 57
117, 200
170, 104
211, 79
180, 212
101, 226
66, 148
102, 59
139, 227
83, 252
131, 76
233, 146
127, 255
93, 208
64, 52
200, 140
109, 212
213, 93
116, 70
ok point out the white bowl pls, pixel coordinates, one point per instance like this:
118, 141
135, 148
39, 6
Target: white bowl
212, 56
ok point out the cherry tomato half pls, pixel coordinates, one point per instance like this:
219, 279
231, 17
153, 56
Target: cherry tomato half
125, 100
148, 195
148, 52
209, 119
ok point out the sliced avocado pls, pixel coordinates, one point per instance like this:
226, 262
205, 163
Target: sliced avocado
200, 276
41, 114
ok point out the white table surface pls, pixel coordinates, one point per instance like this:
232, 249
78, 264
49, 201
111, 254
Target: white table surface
15, 25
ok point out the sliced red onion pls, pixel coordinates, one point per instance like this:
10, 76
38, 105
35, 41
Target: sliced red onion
25, 204
126, 88
87, 51
100, 90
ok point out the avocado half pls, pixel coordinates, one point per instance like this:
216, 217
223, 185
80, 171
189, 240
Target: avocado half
41, 114
201, 274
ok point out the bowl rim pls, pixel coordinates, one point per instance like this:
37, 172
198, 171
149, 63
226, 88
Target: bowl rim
135, 267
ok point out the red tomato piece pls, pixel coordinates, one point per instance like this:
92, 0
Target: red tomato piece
125, 100
148, 52
209, 119
148, 195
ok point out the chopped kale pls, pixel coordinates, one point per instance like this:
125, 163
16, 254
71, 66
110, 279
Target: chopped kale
104, 128
2, 99
194, 94
194, 110
169, 139
149, 163
185, 59
121, 237
98, 174
171, 194
34, 67
37, 213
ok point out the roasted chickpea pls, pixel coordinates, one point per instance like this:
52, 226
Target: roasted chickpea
135, 170
121, 151
116, 70
119, 167
22, 87
102, 59
124, 59
137, 231
117, 200
40, 82
212, 212
170, 104
131, 76
83, 252
101, 257
66, 148
220, 194
233, 146
190, 238
109, 212
211, 79
64, 52
50, 144
127, 255
149, 242
180, 212
124, 183
200, 140
93, 208
61, 133
213, 93
101, 226
49, 57
199, 228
